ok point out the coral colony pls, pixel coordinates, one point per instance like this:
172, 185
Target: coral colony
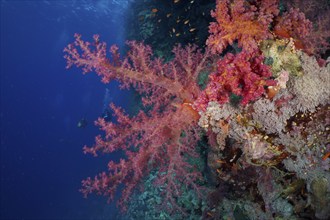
253, 143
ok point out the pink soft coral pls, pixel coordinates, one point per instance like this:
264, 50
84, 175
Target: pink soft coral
242, 74
244, 21
316, 42
293, 24
162, 138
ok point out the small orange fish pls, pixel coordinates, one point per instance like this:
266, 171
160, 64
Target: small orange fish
154, 10
271, 92
326, 156
209, 214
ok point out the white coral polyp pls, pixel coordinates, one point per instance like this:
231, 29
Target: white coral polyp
255, 148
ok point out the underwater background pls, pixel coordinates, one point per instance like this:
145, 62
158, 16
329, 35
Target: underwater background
42, 163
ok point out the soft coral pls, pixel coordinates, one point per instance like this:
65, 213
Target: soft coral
161, 138
244, 21
243, 74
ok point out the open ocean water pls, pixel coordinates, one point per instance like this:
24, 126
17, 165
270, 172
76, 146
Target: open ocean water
42, 163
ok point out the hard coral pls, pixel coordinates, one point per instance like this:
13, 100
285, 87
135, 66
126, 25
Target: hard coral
244, 21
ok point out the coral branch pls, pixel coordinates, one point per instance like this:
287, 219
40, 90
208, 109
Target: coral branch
242, 74
244, 21
293, 24
162, 138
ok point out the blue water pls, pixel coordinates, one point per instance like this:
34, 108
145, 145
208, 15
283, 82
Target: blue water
42, 163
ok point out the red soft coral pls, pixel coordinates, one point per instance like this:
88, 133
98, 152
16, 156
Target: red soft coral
242, 74
162, 138
244, 21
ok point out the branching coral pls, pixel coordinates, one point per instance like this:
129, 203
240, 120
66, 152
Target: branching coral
242, 75
317, 11
294, 24
162, 138
244, 21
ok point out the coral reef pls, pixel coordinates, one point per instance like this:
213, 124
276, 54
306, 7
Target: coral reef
249, 142
292, 129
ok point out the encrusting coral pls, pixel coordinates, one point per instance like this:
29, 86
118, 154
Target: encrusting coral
281, 54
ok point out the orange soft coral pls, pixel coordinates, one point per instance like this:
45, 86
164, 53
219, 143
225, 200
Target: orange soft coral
242, 21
